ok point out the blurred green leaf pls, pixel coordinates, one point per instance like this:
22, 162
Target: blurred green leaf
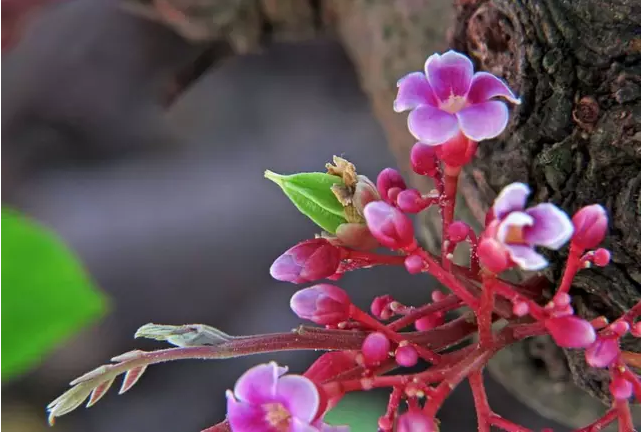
46, 294
359, 410
311, 193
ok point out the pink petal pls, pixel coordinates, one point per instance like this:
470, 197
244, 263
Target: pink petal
486, 86
244, 417
297, 425
449, 74
414, 90
526, 257
299, 395
483, 121
514, 219
258, 384
324, 427
512, 198
431, 125
602, 352
552, 227
570, 331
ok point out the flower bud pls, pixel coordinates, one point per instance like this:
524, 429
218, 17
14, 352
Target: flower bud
457, 151
364, 192
590, 223
424, 160
429, 322
414, 264
390, 179
601, 257
391, 227
621, 388
520, 308
636, 330
416, 421
406, 356
375, 348
410, 201
356, 236
603, 352
570, 331
458, 231
323, 304
492, 255
380, 307
308, 261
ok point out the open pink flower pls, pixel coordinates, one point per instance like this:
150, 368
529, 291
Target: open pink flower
518, 231
264, 400
449, 97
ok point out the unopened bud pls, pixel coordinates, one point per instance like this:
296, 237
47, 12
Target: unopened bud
458, 231
364, 192
424, 159
356, 236
375, 348
590, 223
406, 356
601, 257
570, 331
603, 352
621, 389
391, 227
520, 309
493, 255
410, 201
308, 261
457, 151
416, 421
323, 304
380, 304
414, 264
390, 179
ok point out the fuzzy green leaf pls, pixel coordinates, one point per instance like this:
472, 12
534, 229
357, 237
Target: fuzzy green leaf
311, 193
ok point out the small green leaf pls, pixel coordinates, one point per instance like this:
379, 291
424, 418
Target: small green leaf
311, 193
46, 295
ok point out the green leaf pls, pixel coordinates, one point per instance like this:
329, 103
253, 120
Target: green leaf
46, 294
311, 193
358, 410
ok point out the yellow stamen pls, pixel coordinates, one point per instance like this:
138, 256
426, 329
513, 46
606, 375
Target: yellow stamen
514, 235
277, 416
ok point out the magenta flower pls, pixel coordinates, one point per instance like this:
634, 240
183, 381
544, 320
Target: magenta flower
518, 231
449, 97
264, 400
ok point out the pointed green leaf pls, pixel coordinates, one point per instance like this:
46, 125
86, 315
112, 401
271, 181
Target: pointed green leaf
46, 294
311, 193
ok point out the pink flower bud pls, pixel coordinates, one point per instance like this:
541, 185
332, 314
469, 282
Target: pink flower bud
429, 322
636, 330
562, 300
601, 257
570, 331
364, 192
416, 421
590, 223
391, 227
457, 151
356, 236
414, 264
424, 160
380, 307
406, 356
323, 304
437, 296
619, 327
458, 231
621, 388
375, 348
603, 352
308, 261
520, 309
492, 255
389, 179
410, 201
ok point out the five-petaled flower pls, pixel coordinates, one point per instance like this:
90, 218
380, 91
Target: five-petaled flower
267, 400
450, 97
516, 231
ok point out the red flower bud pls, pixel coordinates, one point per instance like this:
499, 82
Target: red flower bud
416, 421
406, 356
457, 151
590, 223
323, 304
381, 306
390, 179
429, 322
621, 388
424, 160
603, 352
375, 348
636, 330
308, 261
492, 255
458, 231
601, 257
356, 236
364, 192
391, 227
570, 331
414, 264
410, 201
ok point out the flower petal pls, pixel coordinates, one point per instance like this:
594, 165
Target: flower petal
299, 395
431, 125
526, 257
449, 74
244, 417
514, 219
414, 90
324, 427
486, 86
512, 198
552, 227
483, 121
258, 384
297, 425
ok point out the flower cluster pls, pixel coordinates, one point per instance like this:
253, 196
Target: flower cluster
452, 108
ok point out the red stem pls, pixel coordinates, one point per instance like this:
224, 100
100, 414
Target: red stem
600, 423
447, 204
450, 302
507, 425
573, 264
482, 408
485, 311
624, 420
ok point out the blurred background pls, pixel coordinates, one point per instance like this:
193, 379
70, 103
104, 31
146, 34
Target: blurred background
167, 209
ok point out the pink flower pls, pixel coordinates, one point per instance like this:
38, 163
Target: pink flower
264, 400
308, 261
518, 231
324, 304
449, 97
391, 227
416, 421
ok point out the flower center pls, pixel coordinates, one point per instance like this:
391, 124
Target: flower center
277, 416
453, 104
515, 235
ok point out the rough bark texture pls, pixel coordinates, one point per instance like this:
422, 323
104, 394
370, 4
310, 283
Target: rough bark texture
575, 139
